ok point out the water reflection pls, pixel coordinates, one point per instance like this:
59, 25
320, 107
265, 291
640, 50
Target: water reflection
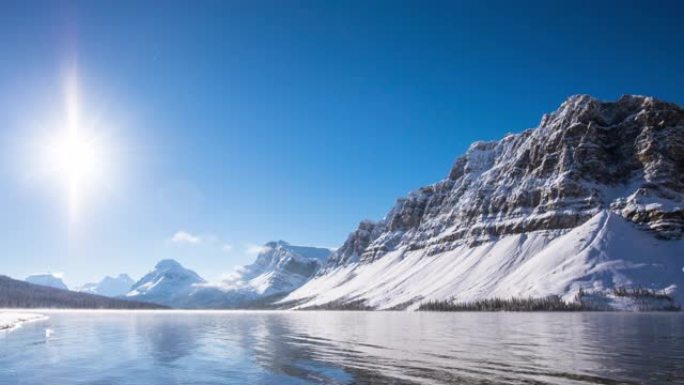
169, 339
347, 348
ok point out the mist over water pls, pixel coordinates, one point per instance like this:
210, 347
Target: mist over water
235, 347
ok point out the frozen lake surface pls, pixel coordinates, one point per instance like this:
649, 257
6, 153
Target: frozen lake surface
344, 348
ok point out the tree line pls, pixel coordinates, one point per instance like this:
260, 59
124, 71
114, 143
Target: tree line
20, 294
643, 299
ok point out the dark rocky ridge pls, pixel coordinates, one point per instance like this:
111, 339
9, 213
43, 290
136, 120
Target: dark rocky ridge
589, 155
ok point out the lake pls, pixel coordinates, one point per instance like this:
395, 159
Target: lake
253, 347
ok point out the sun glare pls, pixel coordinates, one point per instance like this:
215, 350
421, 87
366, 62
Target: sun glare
75, 159
73, 155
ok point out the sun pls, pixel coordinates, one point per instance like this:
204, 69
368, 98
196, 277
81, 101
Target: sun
74, 154
75, 158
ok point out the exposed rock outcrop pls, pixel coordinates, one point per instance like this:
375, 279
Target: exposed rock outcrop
627, 156
591, 199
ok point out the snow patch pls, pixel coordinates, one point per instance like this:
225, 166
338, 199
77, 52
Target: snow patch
12, 320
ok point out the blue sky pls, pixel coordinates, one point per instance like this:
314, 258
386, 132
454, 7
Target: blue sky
244, 122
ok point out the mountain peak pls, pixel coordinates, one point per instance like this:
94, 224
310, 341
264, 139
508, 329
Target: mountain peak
168, 281
588, 157
168, 264
47, 279
109, 286
278, 269
586, 109
274, 244
123, 276
580, 100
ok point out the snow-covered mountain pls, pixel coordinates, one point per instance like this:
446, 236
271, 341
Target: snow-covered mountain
279, 268
49, 280
109, 286
593, 198
21, 294
168, 284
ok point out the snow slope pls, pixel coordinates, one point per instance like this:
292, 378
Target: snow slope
605, 252
593, 197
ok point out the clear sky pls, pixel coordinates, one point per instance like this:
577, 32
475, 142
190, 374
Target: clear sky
232, 123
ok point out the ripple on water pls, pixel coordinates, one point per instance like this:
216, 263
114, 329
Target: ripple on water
346, 348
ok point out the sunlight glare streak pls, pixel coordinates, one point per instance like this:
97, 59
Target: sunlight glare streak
74, 155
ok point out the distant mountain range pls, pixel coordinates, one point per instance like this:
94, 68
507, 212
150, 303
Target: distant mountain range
49, 280
588, 207
20, 294
109, 286
279, 268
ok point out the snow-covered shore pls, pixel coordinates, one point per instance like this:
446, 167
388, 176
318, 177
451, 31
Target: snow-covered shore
10, 319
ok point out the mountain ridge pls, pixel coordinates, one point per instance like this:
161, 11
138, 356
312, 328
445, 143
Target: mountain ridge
48, 279
589, 202
20, 294
109, 286
577, 113
278, 269
584, 160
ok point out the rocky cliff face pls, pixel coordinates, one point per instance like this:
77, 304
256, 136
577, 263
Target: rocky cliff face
590, 201
587, 156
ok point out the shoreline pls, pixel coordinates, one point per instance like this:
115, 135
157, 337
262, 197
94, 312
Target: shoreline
43, 314
11, 320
